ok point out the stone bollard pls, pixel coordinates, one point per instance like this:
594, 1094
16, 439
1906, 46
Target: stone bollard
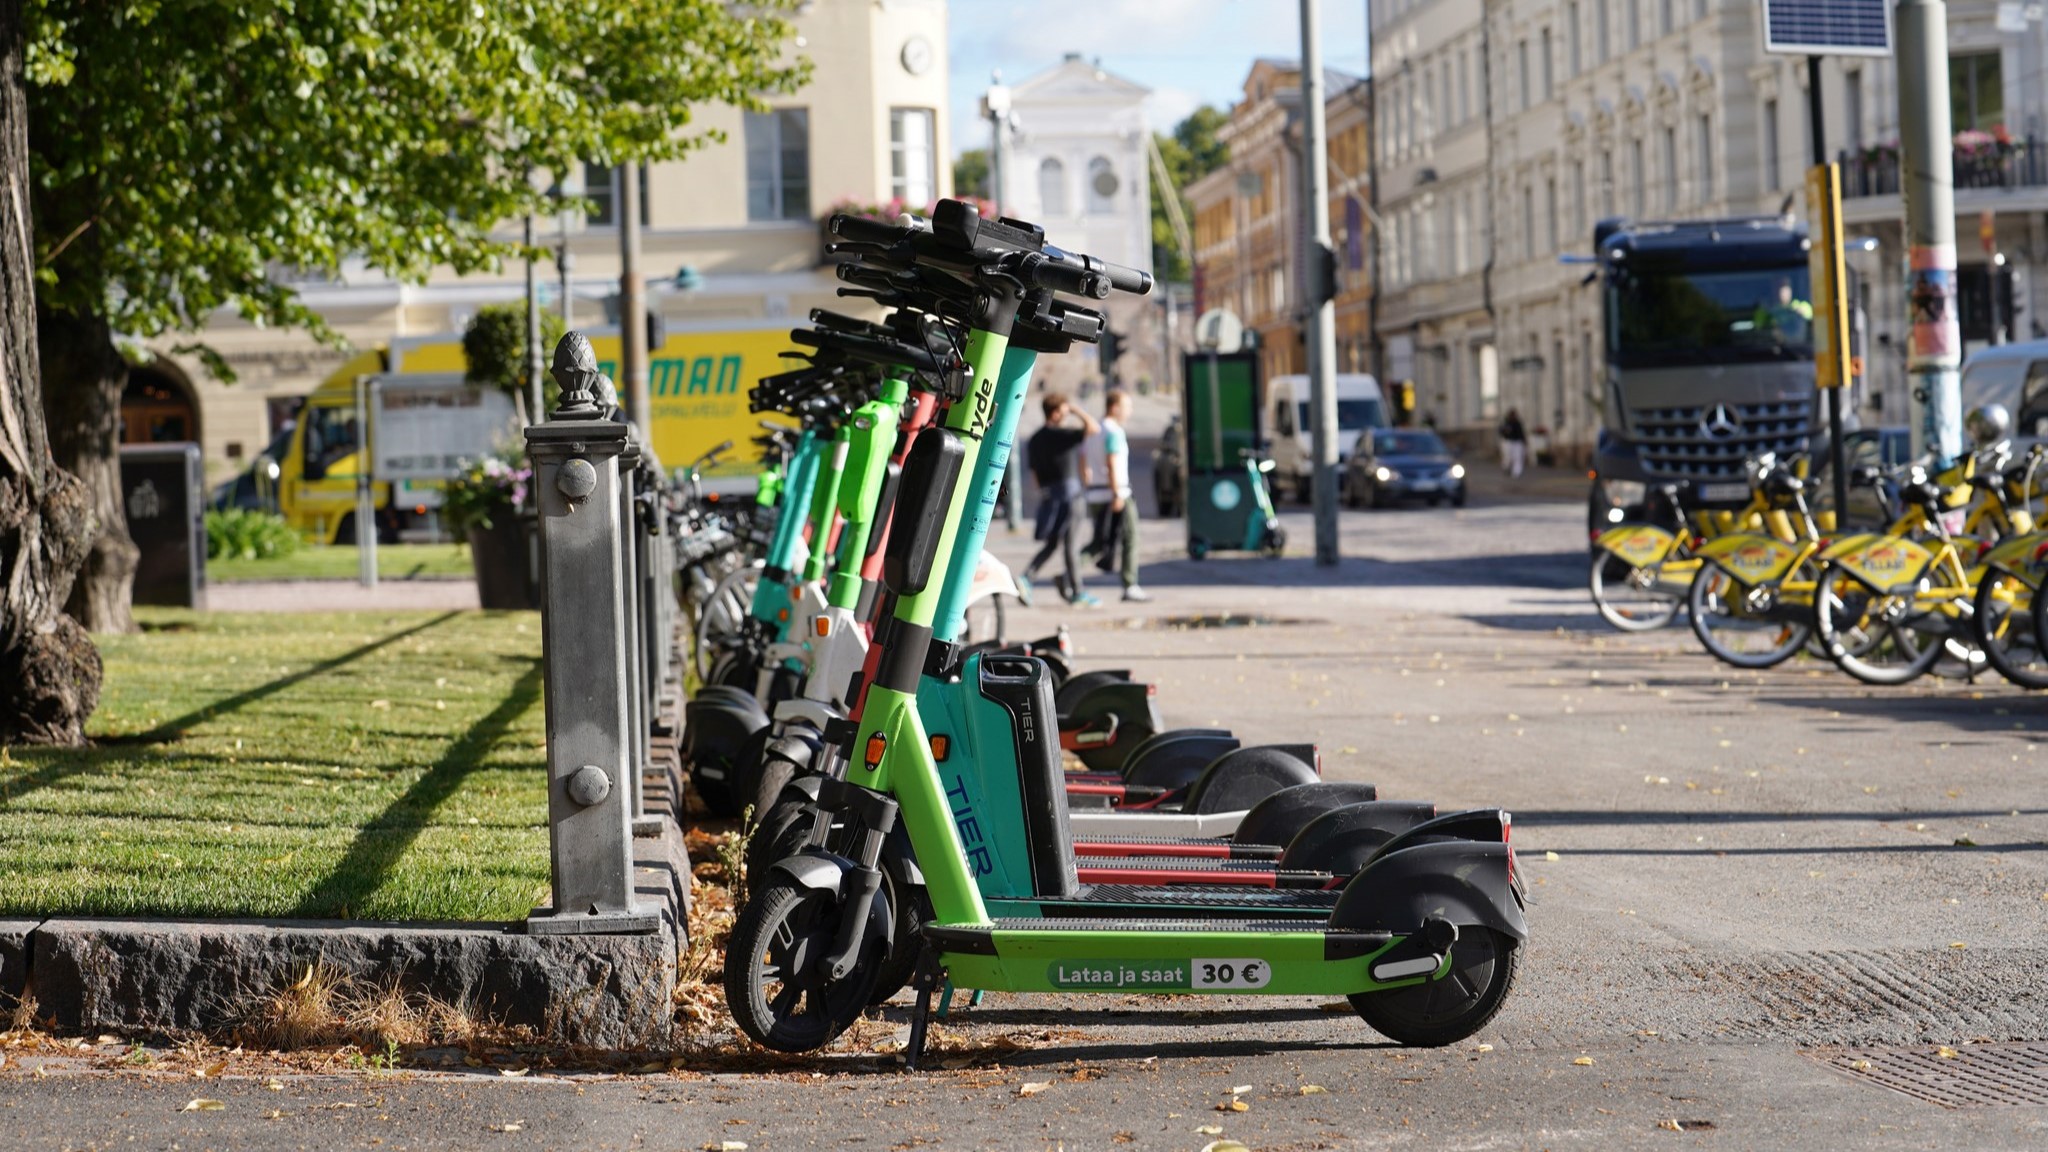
592, 777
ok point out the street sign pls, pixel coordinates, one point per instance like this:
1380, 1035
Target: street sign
1828, 27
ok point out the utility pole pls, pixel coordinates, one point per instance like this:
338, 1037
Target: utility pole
633, 305
1320, 282
536, 395
1934, 350
995, 107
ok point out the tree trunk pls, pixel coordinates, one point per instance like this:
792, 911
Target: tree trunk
49, 671
83, 378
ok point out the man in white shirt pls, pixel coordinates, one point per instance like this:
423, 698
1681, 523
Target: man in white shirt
1120, 523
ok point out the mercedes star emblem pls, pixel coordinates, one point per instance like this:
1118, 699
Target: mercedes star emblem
1719, 423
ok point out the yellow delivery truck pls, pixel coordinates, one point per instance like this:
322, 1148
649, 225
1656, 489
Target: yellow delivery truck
697, 379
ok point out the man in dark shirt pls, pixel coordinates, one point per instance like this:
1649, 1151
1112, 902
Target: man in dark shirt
1054, 454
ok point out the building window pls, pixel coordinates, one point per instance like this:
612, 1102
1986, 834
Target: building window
1579, 204
1464, 88
1575, 35
601, 188
913, 176
1601, 43
1852, 110
1607, 196
1975, 97
1550, 213
1635, 22
1522, 71
1528, 223
1445, 105
1638, 184
1102, 186
1667, 16
1549, 70
779, 164
1671, 170
1705, 159
1052, 187
1773, 177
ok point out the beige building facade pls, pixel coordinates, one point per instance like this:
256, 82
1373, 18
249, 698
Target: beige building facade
731, 233
1249, 230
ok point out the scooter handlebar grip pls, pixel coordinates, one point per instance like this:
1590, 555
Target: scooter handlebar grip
1116, 276
863, 230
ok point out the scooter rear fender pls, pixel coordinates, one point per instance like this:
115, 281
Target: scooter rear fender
1462, 881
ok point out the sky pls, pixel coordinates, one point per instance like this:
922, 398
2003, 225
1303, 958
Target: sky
1189, 52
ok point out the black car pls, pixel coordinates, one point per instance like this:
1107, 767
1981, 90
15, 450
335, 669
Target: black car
1392, 463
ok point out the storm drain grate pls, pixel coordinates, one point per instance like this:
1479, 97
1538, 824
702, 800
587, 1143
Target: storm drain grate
1972, 1077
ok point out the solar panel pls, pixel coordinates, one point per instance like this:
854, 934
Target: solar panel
1828, 27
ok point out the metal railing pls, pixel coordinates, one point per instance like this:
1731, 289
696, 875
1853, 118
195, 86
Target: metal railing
2022, 163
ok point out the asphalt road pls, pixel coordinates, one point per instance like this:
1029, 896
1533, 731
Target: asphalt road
1759, 883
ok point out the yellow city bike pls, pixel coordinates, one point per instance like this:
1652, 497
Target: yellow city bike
1641, 571
1751, 602
2008, 576
1889, 606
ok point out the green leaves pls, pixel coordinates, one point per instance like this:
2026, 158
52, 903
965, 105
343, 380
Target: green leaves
186, 156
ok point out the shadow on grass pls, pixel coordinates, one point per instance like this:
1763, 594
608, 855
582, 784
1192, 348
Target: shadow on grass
382, 841
75, 761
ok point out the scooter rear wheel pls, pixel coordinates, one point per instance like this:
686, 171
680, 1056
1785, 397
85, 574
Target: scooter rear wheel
776, 984
1457, 1004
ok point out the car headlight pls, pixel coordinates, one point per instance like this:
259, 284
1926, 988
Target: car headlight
1383, 474
1626, 492
1457, 471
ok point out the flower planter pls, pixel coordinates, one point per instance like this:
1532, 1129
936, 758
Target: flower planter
503, 558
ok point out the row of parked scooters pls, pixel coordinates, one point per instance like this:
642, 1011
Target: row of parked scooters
912, 814
1946, 583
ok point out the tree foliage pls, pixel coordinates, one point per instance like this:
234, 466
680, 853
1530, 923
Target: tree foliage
211, 143
1191, 151
494, 348
971, 174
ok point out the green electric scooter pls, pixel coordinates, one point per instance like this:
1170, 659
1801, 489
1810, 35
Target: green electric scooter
1424, 940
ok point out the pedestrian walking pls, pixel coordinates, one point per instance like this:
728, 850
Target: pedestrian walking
1514, 443
1117, 549
1054, 454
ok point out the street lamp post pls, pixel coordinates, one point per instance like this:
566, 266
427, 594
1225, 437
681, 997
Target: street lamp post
1321, 295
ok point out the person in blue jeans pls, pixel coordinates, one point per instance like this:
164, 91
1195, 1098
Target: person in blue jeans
1115, 545
1054, 453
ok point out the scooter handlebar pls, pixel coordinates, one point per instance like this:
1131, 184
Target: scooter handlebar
1116, 276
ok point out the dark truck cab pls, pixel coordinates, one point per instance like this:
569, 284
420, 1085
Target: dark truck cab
1709, 358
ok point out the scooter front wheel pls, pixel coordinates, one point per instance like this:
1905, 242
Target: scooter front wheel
1452, 1006
776, 981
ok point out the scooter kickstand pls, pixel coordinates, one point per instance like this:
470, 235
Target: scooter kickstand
926, 981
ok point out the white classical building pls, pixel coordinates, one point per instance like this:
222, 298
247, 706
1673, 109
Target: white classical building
1074, 162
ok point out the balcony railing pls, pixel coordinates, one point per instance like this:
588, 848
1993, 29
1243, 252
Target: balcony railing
2021, 163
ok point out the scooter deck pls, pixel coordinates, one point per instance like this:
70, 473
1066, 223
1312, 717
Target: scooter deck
1158, 871
1189, 847
1266, 957
1233, 903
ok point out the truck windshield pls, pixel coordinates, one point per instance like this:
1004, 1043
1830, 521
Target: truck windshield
1352, 415
1671, 317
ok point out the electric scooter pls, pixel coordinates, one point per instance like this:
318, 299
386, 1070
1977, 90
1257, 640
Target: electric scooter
1424, 939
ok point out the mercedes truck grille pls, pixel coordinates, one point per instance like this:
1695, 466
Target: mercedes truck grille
1711, 442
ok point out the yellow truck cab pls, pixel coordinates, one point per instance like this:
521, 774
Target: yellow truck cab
698, 381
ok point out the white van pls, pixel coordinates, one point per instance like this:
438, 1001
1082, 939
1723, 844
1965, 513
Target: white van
2015, 375
1359, 407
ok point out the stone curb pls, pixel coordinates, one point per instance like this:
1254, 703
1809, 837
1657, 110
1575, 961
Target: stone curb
595, 991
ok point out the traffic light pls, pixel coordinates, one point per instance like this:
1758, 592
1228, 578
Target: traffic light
1404, 402
1108, 348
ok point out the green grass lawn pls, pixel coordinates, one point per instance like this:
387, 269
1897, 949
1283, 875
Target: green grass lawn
386, 765
338, 562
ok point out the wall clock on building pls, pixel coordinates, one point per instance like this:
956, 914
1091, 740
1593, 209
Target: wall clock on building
917, 55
